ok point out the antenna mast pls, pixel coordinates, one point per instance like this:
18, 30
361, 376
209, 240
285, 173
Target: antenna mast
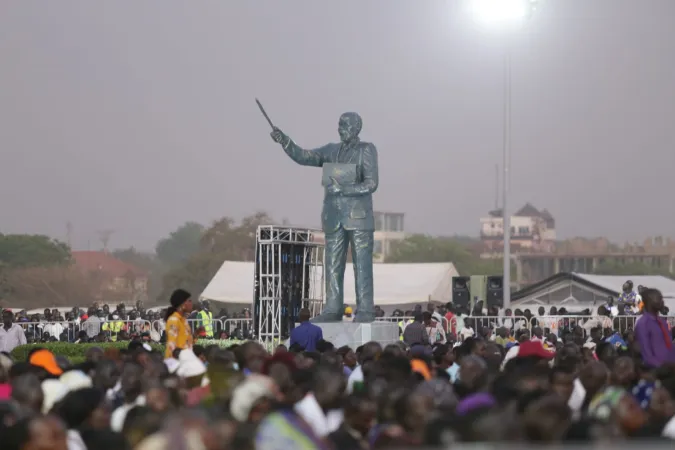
104, 237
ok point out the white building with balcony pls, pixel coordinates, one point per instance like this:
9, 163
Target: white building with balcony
531, 230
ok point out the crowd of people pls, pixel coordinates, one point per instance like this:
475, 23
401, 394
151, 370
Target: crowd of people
499, 384
102, 324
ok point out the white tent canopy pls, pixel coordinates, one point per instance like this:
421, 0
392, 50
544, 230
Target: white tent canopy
395, 284
615, 282
581, 291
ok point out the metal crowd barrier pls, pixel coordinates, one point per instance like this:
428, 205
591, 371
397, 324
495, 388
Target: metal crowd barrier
394, 319
229, 326
555, 324
513, 323
406, 320
68, 331
38, 331
195, 324
622, 324
113, 328
241, 328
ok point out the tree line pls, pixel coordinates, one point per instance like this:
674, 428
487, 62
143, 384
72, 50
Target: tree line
36, 270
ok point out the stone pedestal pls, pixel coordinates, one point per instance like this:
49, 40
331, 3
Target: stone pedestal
356, 334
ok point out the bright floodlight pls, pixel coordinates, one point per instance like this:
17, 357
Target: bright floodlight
502, 12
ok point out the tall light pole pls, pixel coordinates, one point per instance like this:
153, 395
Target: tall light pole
506, 164
505, 14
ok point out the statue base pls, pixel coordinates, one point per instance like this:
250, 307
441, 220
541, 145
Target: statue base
356, 334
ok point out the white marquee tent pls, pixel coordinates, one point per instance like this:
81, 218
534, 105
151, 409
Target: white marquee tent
395, 284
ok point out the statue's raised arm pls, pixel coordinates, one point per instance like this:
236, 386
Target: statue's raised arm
298, 154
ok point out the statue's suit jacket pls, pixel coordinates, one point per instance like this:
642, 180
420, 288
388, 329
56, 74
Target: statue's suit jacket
353, 207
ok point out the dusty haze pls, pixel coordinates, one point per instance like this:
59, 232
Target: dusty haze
138, 116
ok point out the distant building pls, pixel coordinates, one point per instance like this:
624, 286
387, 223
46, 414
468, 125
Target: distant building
531, 230
389, 228
115, 278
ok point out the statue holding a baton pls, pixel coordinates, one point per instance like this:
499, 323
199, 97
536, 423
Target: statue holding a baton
350, 177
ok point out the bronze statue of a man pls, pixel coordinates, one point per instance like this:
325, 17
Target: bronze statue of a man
347, 216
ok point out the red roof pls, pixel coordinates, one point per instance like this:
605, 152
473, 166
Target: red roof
89, 261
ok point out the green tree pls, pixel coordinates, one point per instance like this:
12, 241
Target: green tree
629, 269
421, 248
26, 250
180, 245
37, 287
225, 240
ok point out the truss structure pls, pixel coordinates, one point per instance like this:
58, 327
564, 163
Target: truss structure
279, 250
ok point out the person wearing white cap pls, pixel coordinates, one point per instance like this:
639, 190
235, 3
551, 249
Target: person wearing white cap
53, 392
76, 379
252, 399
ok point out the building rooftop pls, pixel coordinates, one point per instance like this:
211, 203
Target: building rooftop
528, 210
93, 261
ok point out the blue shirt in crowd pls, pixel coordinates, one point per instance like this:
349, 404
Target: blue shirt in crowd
306, 335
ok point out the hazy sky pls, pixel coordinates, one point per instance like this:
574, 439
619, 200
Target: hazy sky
138, 116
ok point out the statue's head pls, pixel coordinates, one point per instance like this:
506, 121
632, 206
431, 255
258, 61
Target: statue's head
349, 126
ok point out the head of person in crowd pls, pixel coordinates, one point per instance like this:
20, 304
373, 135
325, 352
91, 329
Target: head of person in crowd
653, 301
27, 392
181, 302
84, 408
7, 318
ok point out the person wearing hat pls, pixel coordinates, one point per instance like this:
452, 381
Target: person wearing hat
349, 314
178, 333
45, 360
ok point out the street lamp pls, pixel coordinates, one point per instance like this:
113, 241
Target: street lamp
504, 13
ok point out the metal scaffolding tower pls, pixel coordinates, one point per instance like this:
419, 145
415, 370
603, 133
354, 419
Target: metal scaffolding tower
288, 277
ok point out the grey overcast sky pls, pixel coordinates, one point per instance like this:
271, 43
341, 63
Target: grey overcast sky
139, 116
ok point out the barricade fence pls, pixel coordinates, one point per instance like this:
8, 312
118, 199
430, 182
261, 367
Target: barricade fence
69, 331
548, 324
243, 328
240, 328
405, 320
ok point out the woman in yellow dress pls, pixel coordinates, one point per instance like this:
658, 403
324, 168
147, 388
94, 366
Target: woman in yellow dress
178, 333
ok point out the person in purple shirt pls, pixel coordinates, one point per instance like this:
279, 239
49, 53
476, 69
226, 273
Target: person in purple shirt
652, 333
306, 334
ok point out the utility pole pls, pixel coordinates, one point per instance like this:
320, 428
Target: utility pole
496, 187
69, 234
